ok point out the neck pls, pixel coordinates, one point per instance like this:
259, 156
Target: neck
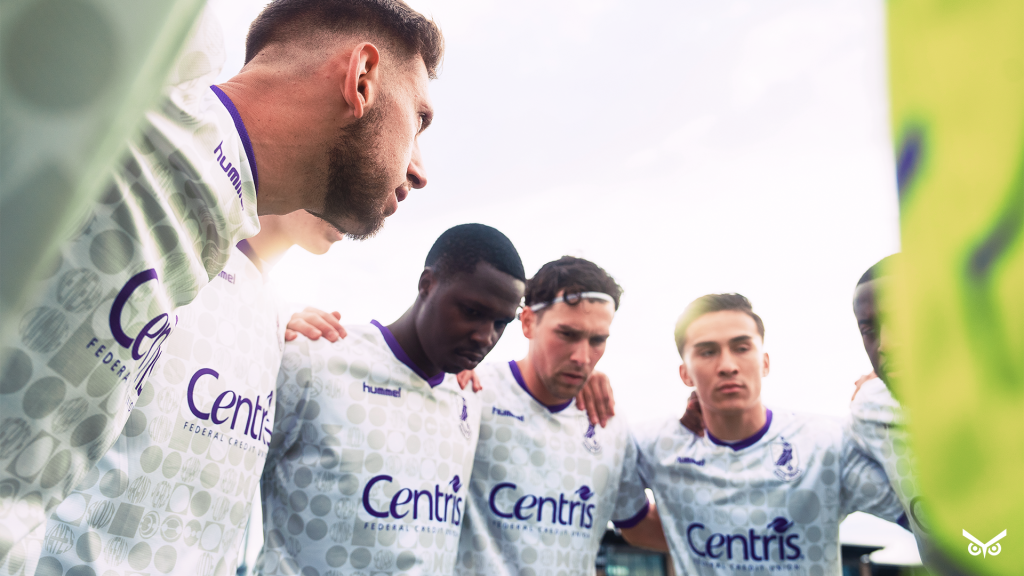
404, 331
291, 157
733, 426
271, 243
536, 386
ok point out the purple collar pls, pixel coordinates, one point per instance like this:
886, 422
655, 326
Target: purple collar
522, 384
396, 349
242, 132
246, 249
745, 443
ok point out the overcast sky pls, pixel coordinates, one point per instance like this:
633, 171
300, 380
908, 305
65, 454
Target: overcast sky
686, 147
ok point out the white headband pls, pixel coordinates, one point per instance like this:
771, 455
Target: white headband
574, 299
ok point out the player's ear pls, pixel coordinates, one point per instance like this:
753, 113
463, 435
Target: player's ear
764, 368
360, 84
527, 318
426, 284
685, 375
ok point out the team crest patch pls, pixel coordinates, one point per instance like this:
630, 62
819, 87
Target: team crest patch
590, 440
464, 420
785, 459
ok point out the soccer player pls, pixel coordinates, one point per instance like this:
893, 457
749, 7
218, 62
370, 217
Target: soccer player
324, 116
372, 444
546, 481
174, 492
763, 489
876, 420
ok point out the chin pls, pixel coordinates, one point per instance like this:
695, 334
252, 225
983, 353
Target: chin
456, 366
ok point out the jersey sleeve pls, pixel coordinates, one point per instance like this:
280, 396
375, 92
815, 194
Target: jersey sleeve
293, 389
631, 504
865, 487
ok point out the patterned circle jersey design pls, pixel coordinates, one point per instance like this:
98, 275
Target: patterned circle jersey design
173, 494
876, 423
772, 502
370, 461
172, 212
545, 484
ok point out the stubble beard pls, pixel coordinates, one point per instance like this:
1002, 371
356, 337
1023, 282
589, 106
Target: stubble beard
357, 188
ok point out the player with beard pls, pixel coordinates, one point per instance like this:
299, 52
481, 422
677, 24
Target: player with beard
324, 116
372, 443
546, 481
201, 427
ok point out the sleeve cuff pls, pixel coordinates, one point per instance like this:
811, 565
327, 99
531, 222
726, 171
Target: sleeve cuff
630, 522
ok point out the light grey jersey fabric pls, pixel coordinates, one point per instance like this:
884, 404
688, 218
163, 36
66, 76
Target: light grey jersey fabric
773, 502
174, 208
876, 423
370, 462
173, 493
545, 484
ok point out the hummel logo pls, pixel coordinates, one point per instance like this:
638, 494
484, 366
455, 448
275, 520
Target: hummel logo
990, 547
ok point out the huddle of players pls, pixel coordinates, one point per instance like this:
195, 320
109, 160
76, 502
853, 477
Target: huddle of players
374, 459
371, 458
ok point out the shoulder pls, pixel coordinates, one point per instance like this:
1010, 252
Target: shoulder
875, 403
362, 345
493, 372
661, 435
496, 378
807, 428
203, 55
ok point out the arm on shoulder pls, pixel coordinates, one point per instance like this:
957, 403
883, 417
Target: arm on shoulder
647, 533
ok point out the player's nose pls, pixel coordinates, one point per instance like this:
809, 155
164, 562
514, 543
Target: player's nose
416, 173
581, 353
728, 365
485, 335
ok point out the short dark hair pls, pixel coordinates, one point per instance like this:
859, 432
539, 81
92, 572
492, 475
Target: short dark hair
570, 275
879, 269
713, 303
462, 247
391, 22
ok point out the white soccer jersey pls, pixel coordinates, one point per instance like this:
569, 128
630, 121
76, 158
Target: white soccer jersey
772, 502
877, 425
545, 484
369, 464
174, 492
183, 195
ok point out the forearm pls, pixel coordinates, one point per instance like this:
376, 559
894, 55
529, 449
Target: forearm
647, 533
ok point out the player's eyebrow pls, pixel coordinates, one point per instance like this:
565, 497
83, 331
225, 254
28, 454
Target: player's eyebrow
706, 344
741, 339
